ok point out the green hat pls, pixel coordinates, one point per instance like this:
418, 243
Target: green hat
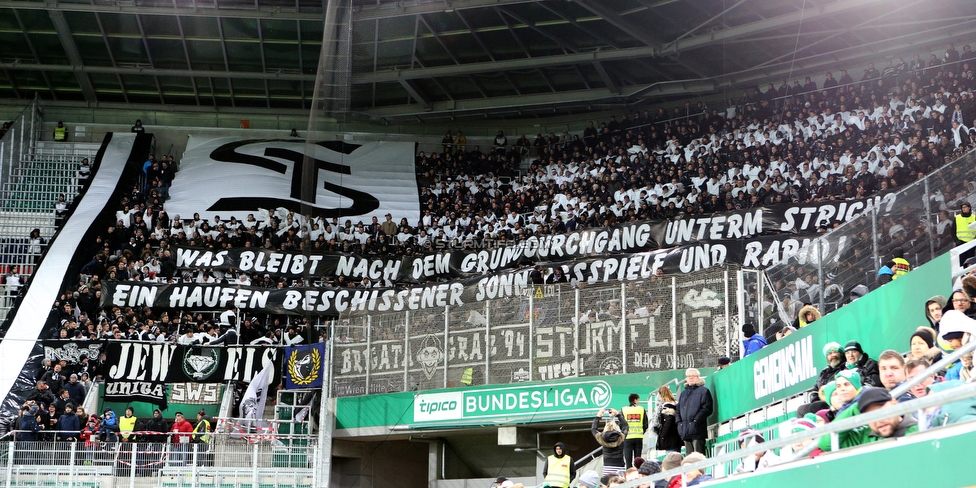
852, 376
831, 347
827, 391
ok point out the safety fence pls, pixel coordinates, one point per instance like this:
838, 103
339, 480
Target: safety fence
915, 222
542, 332
285, 461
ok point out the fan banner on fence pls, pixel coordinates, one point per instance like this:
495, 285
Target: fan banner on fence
142, 370
757, 252
71, 350
544, 342
233, 177
304, 366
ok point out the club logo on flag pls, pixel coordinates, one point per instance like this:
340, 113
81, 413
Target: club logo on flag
201, 363
304, 366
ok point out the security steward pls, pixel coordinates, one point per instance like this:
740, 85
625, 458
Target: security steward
962, 233
201, 437
60, 132
636, 417
559, 470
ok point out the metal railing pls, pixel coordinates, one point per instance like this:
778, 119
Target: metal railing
19, 140
832, 429
220, 462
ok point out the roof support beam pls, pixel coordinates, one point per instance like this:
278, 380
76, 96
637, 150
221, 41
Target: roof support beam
633, 30
590, 32
145, 45
189, 65
690, 43
13, 84
111, 57
562, 44
63, 68
607, 79
477, 37
415, 93
264, 65
709, 21
74, 56
516, 101
407, 8
223, 49
196, 11
33, 50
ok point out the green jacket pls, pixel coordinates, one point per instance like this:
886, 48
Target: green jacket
955, 412
864, 434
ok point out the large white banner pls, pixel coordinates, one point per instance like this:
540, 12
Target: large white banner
230, 176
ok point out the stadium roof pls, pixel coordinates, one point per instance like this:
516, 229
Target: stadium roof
436, 59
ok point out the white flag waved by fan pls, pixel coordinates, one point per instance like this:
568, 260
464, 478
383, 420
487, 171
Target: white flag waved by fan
252, 405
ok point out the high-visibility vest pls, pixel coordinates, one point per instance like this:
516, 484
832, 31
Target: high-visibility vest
467, 377
202, 435
901, 267
558, 474
127, 425
634, 415
60, 133
963, 232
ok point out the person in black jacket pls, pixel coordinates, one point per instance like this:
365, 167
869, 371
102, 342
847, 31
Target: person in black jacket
694, 407
157, 424
612, 439
867, 367
666, 426
835, 364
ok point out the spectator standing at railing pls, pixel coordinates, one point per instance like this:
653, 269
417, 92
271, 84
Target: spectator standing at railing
694, 407
808, 315
611, 438
60, 132
159, 425
76, 391
666, 426
138, 128
962, 230
636, 417
901, 265
753, 342
127, 424
26, 426
182, 435
69, 426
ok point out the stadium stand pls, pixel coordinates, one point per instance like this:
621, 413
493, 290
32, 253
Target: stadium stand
887, 134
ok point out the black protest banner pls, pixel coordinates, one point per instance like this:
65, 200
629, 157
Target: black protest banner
141, 370
478, 258
758, 252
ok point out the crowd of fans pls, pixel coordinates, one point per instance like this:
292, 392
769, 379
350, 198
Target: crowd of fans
850, 384
805, 143
808, 143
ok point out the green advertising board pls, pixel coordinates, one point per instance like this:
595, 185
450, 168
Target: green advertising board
572, 398
883, 319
